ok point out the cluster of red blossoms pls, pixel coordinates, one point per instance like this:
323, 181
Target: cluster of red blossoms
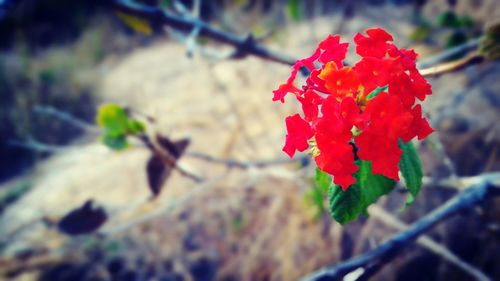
359, 111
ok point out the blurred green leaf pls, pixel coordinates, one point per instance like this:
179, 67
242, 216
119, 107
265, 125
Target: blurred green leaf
137, 24
467, 21
116, 122
489, 46
411, 169
456, 38
117, 125
113, 119
115, 142
294, 11
316, 194
448, 19
421, 33
135, 126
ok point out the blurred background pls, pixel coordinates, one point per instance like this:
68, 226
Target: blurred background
61, 60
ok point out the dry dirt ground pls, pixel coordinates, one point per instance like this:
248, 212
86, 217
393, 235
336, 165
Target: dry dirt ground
240, 224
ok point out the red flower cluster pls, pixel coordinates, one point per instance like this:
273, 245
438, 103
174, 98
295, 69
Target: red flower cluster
360, 111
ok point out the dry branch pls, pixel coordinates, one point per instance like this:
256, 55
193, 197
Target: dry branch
372, 261
244, 45
247, 45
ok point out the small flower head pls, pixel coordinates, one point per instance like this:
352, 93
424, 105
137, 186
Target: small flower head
375, 99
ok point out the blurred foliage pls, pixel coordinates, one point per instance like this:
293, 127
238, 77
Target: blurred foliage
53, 61
490, 43
456, 29
117, 125
315, 196
294, 9
135, 23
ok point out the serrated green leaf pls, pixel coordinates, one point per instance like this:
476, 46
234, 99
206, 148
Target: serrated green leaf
375, 92
346, 206
411, 169
373, 186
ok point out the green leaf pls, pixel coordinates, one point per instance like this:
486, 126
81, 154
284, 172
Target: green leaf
316, 194
421, 33
375, 92
116, 125
448, 19
115, 142
489, 46
322, 180
135, 126
346, 206
456, 38
373, 186
113, 119
293, 7
137, 24
411, 168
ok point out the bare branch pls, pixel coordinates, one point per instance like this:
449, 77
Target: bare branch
449, 54
244, 45
231, 163
66, 117
249, 46
452, 66
375, 259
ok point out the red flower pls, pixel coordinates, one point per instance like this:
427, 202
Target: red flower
373, 72
310, 102
333, 133
333, 50
299, 132
408, 57
375, 44
341, 82
419, 127
342, 118
379, 141
280, 93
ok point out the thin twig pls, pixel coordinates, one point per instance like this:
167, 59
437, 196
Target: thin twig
375, 259
37, 146
66, 117
167, 159
449, 54
452, 66
231, 163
